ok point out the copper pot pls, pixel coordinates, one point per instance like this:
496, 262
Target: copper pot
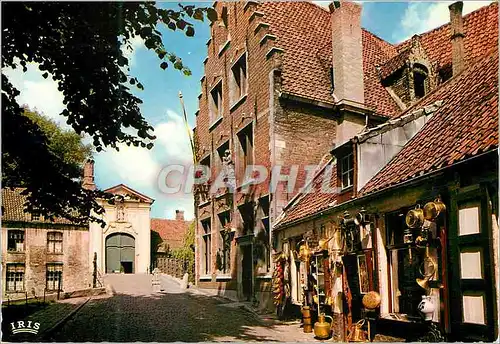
433, 209
415, 217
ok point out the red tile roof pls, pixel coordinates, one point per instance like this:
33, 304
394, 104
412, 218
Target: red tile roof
308, 54
394, 63
171, 231
13, 208
481, 35
465, 125
315, 201
308, 49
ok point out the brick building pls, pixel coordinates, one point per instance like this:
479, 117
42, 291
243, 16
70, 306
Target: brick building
168, 235
440, 147
274, 94
39, 256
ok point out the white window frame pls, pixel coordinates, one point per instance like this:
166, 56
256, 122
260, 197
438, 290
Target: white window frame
19, 242
14, 273
349, 158
55, 242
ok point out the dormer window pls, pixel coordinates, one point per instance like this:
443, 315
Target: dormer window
347, 170
35, 216
419, 81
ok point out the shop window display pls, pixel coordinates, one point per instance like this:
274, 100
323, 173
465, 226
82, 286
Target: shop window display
413, 261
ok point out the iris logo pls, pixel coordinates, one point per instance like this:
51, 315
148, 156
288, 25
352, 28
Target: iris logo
21, 327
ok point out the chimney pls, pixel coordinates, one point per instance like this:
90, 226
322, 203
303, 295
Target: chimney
179, 215
347, 49
88, 175
457, 37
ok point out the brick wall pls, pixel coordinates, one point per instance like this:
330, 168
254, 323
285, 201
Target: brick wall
74, 259
284, 132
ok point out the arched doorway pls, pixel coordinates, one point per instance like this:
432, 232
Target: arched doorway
120, 253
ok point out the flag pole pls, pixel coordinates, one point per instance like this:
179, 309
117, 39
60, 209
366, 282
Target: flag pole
187, 126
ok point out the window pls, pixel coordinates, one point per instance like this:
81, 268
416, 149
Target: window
54, 276
347, 170
221, 152
206, 256
407, 263
216, 102
15, 241
263, 237
15, 277
239, 79
54, 242
35, 216
245, 137
224, 16
223, 259
248, 216
419, 81
205, 187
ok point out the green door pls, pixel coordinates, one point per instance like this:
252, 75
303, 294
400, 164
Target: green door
120, 253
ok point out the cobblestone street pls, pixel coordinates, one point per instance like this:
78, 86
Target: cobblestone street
135, 313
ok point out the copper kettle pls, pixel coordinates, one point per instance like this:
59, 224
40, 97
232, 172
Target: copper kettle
323, 328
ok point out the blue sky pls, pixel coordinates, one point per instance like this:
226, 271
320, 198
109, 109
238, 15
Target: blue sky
139, 168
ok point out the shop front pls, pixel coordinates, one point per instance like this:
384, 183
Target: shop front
426, 252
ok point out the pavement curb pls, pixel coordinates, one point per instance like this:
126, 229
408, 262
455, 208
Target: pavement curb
61, 322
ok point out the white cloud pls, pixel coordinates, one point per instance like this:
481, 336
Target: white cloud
173, 139
36, 92
137, 43
420, 17
131, 165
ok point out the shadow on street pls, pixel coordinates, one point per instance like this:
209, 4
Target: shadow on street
162, 317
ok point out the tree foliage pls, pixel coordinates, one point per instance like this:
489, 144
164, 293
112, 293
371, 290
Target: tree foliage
64, 143
80, 45
186, 252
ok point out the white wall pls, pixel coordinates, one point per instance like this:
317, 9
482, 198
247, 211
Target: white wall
137, 223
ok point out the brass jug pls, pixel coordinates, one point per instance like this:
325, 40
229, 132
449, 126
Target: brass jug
323, 328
